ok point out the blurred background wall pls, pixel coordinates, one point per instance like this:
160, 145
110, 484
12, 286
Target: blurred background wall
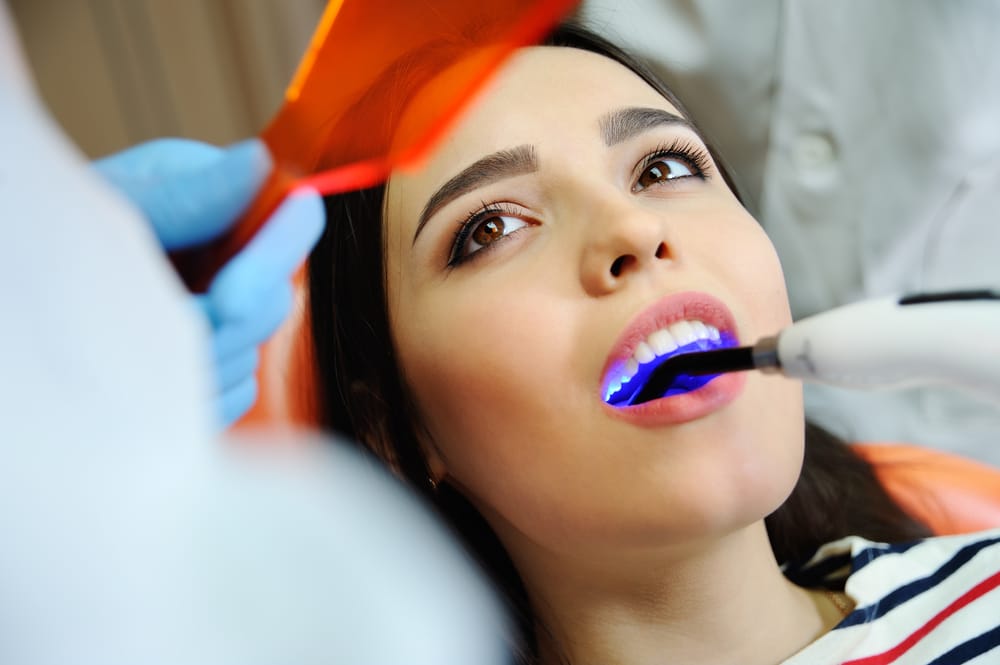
116, 72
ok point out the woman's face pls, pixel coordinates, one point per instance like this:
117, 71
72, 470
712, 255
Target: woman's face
570, 216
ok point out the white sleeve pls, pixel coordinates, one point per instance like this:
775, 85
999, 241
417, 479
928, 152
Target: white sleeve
98, 337
130, 533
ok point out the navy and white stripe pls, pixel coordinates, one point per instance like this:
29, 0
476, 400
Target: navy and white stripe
933, 601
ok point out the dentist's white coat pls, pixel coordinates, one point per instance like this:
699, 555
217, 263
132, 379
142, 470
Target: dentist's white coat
129, 533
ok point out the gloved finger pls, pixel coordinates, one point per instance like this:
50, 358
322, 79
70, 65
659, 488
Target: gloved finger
234, 337
271, 256
236, 401
192, 208
234, 370
156, 159
188, 207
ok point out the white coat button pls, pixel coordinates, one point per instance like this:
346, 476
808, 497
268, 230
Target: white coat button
815, 151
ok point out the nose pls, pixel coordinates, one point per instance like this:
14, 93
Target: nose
622, 241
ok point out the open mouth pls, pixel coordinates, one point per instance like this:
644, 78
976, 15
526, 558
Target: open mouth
625, 380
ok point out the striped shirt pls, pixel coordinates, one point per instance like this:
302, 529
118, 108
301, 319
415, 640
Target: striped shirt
936, 601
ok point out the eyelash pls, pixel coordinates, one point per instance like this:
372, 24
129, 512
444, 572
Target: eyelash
468, 225
683, 149
686, 150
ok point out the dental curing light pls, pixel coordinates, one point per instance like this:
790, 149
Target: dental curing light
950, 338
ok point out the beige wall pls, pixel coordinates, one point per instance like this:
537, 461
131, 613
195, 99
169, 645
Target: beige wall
116, 72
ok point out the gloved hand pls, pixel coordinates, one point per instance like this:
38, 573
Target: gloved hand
192, 192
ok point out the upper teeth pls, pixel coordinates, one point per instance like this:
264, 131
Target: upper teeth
660, 343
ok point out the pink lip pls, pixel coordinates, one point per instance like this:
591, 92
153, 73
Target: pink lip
678, 408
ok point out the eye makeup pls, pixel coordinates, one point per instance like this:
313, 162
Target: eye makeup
691, 152
502, 215
501, 211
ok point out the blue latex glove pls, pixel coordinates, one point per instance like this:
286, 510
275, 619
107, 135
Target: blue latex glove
191, 192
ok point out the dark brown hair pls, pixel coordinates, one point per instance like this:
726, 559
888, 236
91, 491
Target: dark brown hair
362, 396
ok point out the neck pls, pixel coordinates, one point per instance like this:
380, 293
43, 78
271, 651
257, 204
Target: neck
704, 605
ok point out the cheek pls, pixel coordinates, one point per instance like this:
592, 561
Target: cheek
745, 255
771, 410
477, 372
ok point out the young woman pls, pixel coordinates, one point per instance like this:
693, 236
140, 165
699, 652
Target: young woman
474, 321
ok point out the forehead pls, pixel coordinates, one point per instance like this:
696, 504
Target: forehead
547, 83
543, 95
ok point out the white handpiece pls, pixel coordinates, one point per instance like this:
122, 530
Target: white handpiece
949, 338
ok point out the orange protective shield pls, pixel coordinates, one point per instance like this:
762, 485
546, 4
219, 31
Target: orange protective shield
340, 126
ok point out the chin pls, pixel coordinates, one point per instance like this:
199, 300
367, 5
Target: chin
758, 469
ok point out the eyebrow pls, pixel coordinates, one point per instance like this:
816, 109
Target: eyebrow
492, 168
622, 124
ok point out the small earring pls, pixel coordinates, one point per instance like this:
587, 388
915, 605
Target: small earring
432, 482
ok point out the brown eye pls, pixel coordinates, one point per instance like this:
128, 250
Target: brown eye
488, 231
661, 170
485, 231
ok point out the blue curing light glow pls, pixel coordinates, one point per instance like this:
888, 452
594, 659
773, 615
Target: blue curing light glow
683, 383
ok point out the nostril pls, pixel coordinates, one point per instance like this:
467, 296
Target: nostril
661, 251
619, 265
